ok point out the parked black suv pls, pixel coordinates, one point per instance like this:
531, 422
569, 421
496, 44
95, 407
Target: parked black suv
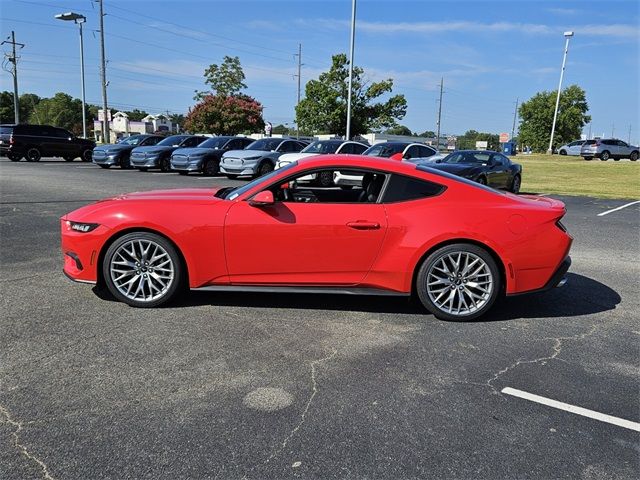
36, 141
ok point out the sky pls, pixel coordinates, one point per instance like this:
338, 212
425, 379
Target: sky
490, 53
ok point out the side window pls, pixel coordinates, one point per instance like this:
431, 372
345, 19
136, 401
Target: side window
245, 142
62, 133
346, 148
622, 144
358, 149
288, 147
192, 142
499, 159
424, 152
234, 145
608, 142
412, 152
403, 189
152, 140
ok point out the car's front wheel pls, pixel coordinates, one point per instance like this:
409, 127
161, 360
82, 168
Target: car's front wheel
634, 156
14, 157
458, 282
142, 269
165, 165
87, 155
211, 168
515, 185
265, 168
562, 152
125, 162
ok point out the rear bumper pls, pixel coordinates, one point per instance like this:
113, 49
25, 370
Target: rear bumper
558, 279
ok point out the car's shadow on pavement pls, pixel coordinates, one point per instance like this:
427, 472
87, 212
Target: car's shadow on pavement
580, 296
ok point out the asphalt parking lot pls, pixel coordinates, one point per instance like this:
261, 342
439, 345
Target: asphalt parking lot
297, 386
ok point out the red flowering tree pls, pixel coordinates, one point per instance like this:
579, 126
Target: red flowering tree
225, 115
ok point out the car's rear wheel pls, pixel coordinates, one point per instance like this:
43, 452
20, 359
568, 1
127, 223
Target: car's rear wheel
14, 158
33, 154
211, 168
142, 269
458, 282
634, 156
604, 156
87, 155
165, 165
69, 158
515, 185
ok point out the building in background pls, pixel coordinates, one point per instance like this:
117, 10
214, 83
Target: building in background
120, 126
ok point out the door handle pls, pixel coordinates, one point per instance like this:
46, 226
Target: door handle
359, 225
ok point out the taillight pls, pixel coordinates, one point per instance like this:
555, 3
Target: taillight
11, 141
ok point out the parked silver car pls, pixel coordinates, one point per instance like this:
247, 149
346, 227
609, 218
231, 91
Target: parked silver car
572, 148
606, 148
259, 157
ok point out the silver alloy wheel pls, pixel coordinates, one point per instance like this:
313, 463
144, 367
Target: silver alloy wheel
142, 270
459, 283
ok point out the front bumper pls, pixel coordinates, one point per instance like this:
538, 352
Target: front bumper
110, 159
145, 162
188, 166
81, 251
239, 169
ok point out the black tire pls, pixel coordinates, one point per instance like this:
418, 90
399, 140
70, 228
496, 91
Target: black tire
69, 158
515, 184
183, 172
211, 168
167, 292
231, 177
125, 162
482, 180
14, 157
605, 155
87, 155
264, 168
104, 166
33, 154
429, 294
165, 165
634, 156
325, 179
588, 159
562, 152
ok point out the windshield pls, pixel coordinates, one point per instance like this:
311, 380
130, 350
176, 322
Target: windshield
385, 149
214, 143
236, 192
173, 141
134, 140
265, 144
467, 157
322, 147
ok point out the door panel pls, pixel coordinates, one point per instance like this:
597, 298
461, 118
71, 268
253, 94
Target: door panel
303, 243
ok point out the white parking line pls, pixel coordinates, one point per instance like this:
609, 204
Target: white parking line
619, 208
620, 422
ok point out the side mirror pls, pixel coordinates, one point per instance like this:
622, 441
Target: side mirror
262, 199
439, 160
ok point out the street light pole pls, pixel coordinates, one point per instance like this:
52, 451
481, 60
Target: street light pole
353, 36
568, 36
79, 20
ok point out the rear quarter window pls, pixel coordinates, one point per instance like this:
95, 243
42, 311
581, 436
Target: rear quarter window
403, 189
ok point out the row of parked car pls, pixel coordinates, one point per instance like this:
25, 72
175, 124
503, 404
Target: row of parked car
602, 148
236, 156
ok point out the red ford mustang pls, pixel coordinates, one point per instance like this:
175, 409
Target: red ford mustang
456, 244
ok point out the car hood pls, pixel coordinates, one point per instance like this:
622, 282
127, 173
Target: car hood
456, 168
93, 211
248, 153
114, 147
154, 149
195, 151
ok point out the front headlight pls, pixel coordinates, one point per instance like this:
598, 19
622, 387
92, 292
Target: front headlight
81, 227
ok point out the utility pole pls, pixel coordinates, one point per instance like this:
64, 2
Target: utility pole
589, 136
515, 116
299, 55
103, 72
14, 59
351, 48
567, 36
439, 116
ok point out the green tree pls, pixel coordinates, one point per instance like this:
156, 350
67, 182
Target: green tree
324, 108
281, 130
6, 107
27, 103
226, 79
61, 110
469, 139
399, 130
225, 115
536, 117
428, 133
178, 119
136, 115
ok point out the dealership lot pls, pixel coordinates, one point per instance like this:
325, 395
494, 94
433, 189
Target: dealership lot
285, 386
